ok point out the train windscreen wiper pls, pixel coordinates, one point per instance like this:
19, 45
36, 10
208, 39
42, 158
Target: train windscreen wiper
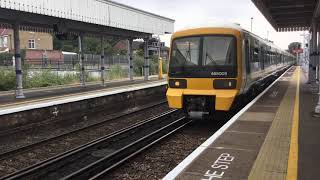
211, 59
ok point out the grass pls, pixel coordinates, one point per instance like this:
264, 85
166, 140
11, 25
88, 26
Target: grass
46, 78
7, 80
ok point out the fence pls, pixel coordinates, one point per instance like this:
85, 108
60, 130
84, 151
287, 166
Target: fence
70, 62
52, 72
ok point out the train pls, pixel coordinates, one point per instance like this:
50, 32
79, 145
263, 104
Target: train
210, 67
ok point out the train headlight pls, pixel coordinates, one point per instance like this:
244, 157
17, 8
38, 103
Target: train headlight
224, 84
178, 83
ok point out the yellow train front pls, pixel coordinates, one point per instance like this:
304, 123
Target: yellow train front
210, 67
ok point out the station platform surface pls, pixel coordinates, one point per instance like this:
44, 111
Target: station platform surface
276, 136
43, 97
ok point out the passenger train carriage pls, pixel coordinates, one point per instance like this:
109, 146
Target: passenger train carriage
210, 66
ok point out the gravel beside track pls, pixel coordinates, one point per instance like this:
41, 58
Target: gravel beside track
161, 158
65, 143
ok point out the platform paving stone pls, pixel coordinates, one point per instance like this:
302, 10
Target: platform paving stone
272, 160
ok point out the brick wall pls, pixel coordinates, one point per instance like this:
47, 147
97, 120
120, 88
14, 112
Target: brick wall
43, 41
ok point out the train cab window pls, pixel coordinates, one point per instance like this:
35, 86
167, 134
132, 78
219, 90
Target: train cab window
186, 52
219, 50
203, 56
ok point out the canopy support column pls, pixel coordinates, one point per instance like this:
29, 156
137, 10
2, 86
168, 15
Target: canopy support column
18, 64
130, 58
102, 68
146, 68
81, 55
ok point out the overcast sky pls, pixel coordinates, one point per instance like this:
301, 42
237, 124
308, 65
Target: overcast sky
187, 13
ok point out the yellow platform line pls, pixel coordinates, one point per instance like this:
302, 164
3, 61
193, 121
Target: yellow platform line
292, 170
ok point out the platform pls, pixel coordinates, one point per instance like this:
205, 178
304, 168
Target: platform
44, 97
274, 137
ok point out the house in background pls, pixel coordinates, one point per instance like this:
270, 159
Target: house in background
4, 40
28, 40
37, 45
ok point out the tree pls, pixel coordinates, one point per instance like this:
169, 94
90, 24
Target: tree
294, 45
90, 45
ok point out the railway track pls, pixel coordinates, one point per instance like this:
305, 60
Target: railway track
17, 151
96, 158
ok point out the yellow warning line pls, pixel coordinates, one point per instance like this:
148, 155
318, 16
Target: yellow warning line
292, 172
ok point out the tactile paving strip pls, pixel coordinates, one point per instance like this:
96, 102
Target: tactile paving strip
272, 160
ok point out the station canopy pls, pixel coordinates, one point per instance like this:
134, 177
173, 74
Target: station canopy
289, 15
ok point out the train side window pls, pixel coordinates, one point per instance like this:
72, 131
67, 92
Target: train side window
262, 57
255, 63
267, 58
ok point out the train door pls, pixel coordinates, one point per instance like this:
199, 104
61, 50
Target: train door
247, 58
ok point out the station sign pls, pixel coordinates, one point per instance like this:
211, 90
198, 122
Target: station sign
297, 51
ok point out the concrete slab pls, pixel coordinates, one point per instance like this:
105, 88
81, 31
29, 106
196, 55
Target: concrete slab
309, 134
257, 116
224, 163
272, 160
238, 140
248, 126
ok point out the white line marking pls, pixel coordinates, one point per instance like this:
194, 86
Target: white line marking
51, 102
238, 149
186, 162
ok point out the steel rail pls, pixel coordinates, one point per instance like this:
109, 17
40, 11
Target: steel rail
25, 148
43, 169
98, 169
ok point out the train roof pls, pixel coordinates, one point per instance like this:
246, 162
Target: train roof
235, 27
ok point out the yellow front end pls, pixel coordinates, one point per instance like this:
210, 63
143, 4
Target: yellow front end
202, 87
222, 98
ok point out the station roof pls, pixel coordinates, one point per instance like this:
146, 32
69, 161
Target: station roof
94, 17
289, 15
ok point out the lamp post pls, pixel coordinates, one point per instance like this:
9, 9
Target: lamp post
251, 23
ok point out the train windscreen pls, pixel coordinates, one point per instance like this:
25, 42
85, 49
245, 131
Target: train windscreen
204, 57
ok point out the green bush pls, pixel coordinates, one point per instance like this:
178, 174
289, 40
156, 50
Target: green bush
165, 66
154, 65
91, 78
7, 80
6, 59
115, 72
47, 78
138, 63
5, 56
